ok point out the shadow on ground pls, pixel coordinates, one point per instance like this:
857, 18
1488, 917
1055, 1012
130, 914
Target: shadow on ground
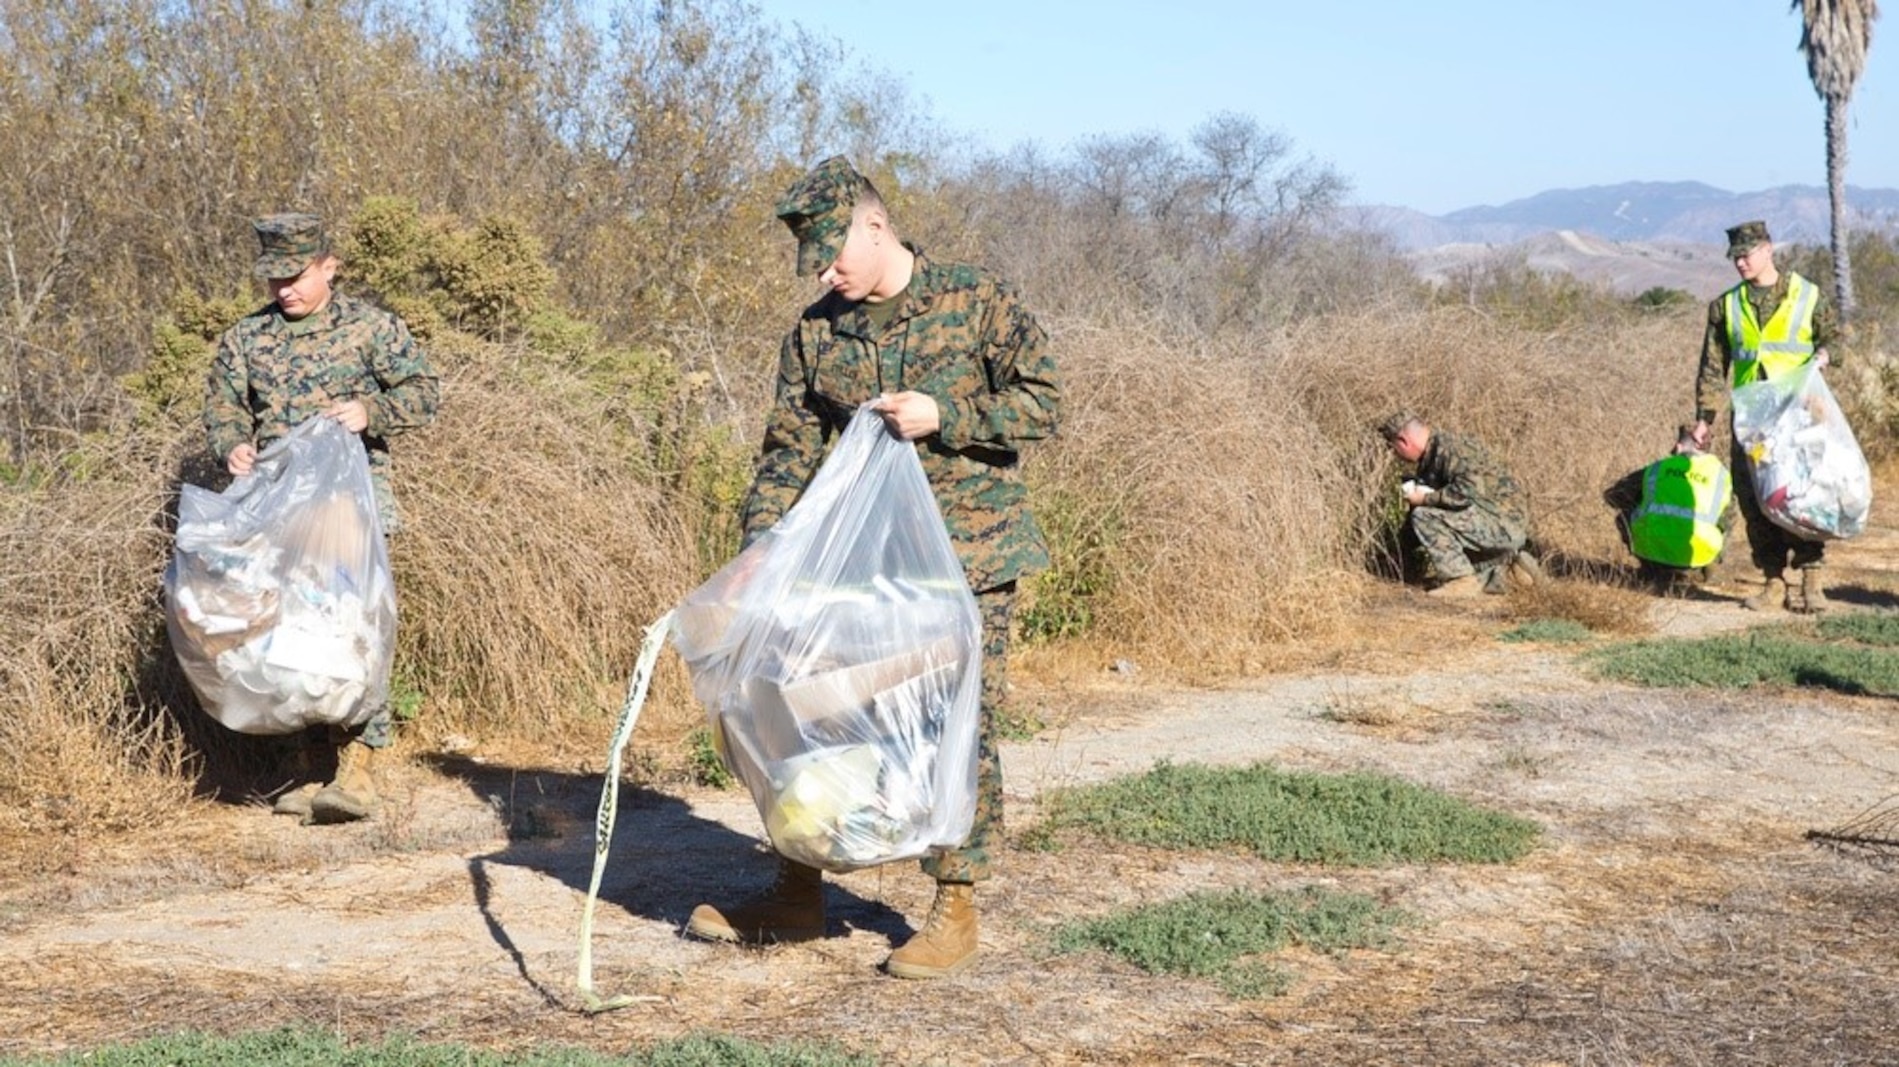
665, 858
1861, 596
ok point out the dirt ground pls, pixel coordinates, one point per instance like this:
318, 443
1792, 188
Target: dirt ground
1674, 913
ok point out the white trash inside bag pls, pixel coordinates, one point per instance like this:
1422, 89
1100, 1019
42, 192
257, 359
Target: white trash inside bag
1808, 472
839, 659
279, 597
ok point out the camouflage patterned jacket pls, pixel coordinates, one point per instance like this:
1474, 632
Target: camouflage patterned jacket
271, 374
1462, 474
963, 338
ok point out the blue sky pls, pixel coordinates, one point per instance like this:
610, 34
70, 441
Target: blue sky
1434, 106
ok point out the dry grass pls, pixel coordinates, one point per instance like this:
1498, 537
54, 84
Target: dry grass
1605, 608
1235, 494
1221, 511
1569, 411
1381, 708
80, 743
1227, 494
537, 546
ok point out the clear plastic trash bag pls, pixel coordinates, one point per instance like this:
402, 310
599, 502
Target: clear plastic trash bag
839, 659
279, 597
1808, 472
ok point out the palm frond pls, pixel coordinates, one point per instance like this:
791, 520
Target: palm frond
1834, 37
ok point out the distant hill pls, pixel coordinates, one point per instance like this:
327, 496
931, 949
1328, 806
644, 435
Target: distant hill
1631, 237
1624, 267
1690, 212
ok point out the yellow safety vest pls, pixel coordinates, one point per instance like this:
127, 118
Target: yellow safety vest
1784, 343
1678, 522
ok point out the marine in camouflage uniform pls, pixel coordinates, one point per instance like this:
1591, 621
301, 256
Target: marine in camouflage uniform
316, 353
961, 368
1772, 547
1469, 515
274, 370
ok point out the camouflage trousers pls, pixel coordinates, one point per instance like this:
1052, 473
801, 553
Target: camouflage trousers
1773, 548
385, 502
971, 862
1468, 541
378, 732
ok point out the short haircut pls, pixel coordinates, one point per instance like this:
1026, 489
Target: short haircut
868, 198
1394, 425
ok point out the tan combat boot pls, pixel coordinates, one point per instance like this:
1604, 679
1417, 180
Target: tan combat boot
295, 801
307, 777
1526, 570
946, 945
1774, 594
351, 795
1813, 599
791, 910
1459, 588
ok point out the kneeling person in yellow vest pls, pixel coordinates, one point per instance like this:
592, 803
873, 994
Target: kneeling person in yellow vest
1674, 514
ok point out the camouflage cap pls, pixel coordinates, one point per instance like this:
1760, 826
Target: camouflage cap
288, 243
817, 208
1393, 424
1743, 238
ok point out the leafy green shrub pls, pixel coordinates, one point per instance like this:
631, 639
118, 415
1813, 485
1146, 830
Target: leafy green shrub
387, 247
1083, 535
493, 278
707, 766
562, 338
171, 383
489, 280
1527, 297
405, 697
1662, 298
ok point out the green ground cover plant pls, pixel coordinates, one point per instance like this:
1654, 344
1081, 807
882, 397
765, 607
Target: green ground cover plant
1845, 655
1220, 936
1551, 631
1880, 628
1345, 819
303, 1048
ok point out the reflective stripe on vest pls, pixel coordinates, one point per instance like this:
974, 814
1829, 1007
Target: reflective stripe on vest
1784, 343
1678, 522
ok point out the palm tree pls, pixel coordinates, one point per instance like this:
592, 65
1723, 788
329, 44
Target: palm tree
1834, 39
